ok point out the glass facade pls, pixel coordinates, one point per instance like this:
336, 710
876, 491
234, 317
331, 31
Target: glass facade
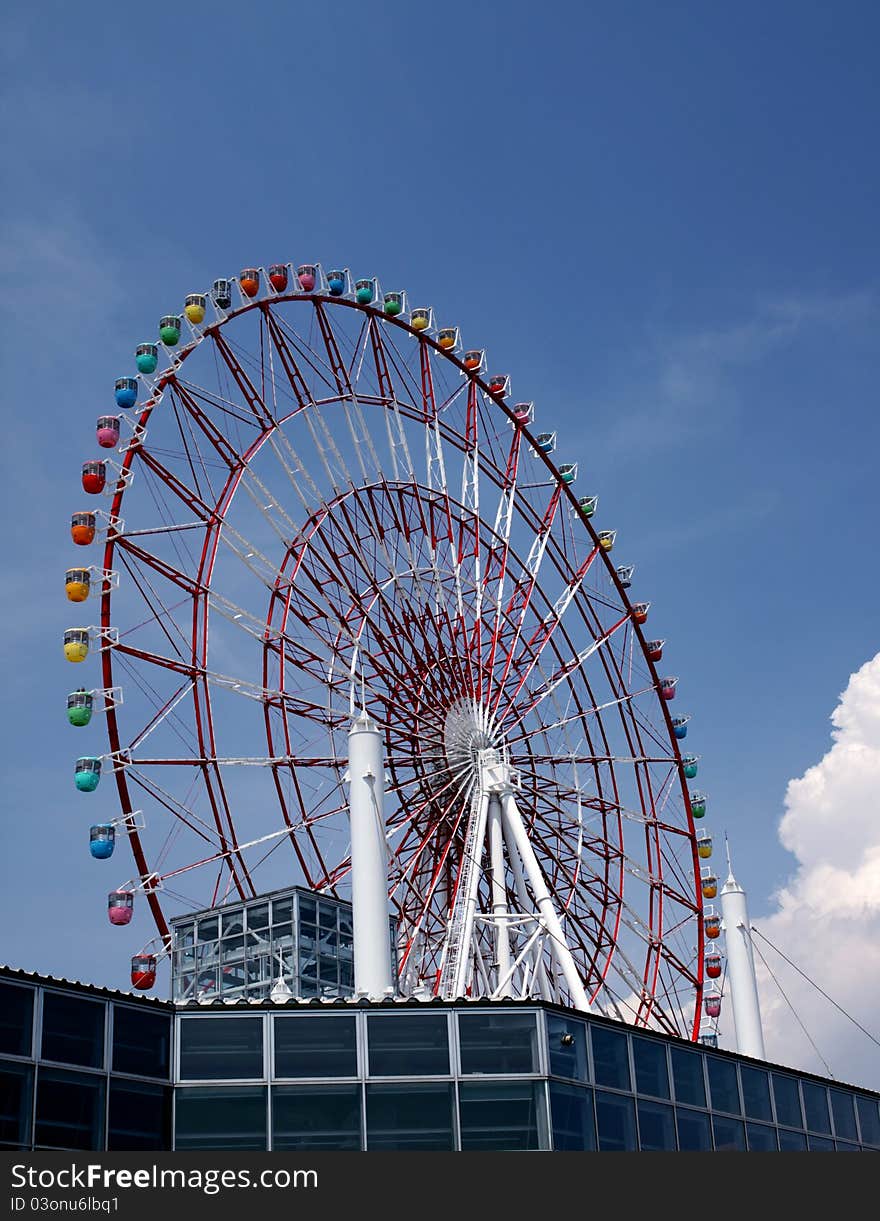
490, 1076
241, 950
82, 1069
128, 1073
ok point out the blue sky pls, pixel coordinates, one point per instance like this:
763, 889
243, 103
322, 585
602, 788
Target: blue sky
661, 220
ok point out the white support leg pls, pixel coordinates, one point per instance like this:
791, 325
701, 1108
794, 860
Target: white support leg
559, 948
471, 881
526, 907
499, 897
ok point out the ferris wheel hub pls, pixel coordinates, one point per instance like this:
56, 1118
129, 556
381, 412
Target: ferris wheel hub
467, 734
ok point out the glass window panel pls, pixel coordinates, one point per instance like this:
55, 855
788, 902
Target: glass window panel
206, 981
820, 1144
209, 1117
221, 1047
141, 1041
787, 1097
568, 1047
282, 950
755, 1092
209, 928
140, 1116
16, 1019
729, 1134
694, 1135
327, 914
843, 1146
258, 917
844, 1115
232, 949
282, 911
498, 1042
184, 961
16, 1090
723, 1090
257, 970
410, 1116
233, 977
816, 1107
656, 1126
869, 1120
791, 1142
408, 1045
571, 1110
232, 923
761, 1137
315, 1045
610, 1058
615, 1122
316, 1117
687, 1076
73, 1030
308, 910
649, 1061
503, 1115
328, 972
346, 927
70, 1110
184, 935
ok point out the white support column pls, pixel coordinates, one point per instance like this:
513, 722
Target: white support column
373, 974
470, 870
499, 896
559, 947
741, 968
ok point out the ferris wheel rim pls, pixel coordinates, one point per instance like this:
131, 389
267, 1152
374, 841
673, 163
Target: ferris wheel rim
170, 377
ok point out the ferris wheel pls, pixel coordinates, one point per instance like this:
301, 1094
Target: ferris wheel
320, 504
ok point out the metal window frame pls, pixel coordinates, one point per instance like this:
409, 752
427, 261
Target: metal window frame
260, 1015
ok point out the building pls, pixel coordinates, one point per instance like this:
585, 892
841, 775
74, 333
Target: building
93, 1068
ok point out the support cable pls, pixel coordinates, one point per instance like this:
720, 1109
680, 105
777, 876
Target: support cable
792, 1008
839, 1008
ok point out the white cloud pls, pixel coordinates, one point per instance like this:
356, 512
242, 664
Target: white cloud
827, 918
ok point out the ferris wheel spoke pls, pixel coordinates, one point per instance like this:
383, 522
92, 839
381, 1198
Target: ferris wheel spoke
181, 490
469, 527
520, 600
219, 856
618, 702
334, 570
230, 409
314, 373
346, 631
176, 808
530, 655
535, 696
439, 866
165, 711
498, 553
250, 394
161, 615
435, 465
185, 396
398, 371
334, 357
166, 570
